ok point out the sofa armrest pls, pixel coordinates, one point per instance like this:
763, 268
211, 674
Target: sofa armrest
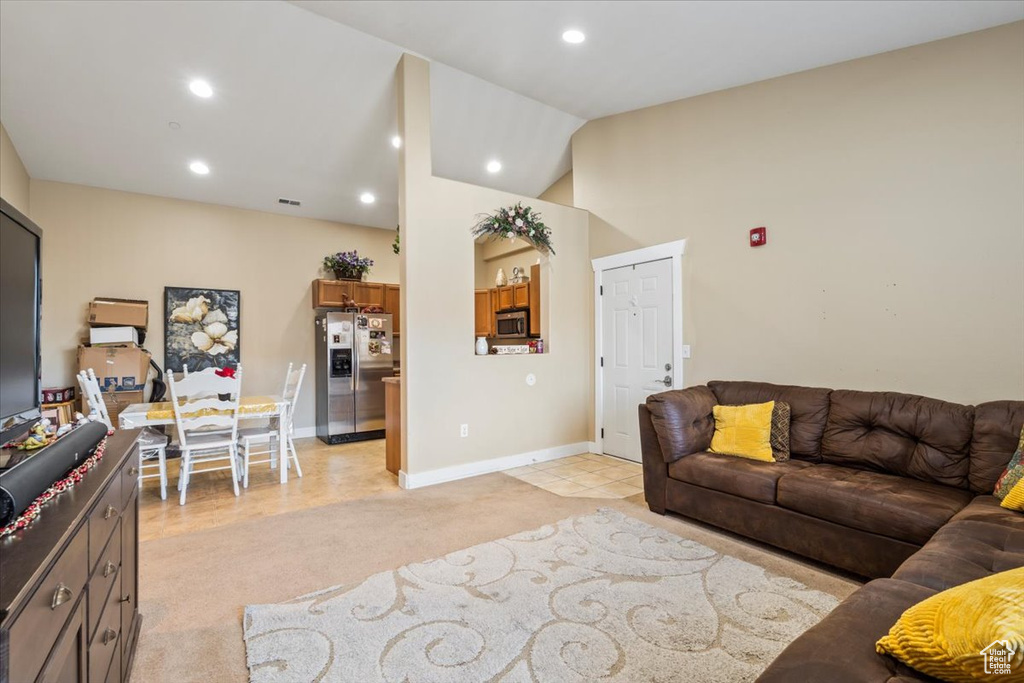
683, 420
655, 468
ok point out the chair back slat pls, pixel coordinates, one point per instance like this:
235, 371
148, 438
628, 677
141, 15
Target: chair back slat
197, 405
292, 386
93, 395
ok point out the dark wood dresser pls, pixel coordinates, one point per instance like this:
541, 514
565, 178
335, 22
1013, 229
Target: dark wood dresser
69, 581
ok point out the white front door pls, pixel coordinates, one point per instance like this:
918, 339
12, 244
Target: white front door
636, 322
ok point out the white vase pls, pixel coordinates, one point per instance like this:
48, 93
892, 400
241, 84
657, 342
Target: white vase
481, 346
500, 280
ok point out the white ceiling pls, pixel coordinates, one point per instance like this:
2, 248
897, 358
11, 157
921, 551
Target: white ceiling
304, 104
642, 53
304, 108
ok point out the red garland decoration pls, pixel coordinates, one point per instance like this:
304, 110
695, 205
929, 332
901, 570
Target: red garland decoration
68, 482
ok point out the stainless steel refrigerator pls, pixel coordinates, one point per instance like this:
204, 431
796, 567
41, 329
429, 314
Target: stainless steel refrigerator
354, 352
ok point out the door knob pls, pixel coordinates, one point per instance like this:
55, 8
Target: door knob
667, 381
668, 367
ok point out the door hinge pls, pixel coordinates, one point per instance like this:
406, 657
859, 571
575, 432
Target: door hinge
602, 361
602, 432
602, 290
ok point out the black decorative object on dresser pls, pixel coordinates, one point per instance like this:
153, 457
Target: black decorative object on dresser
69, 580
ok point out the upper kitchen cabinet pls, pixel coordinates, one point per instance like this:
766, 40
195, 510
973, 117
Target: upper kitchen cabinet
482, 313
332, 293
521, 295
506, 298
369, 294
534, 300
391, 305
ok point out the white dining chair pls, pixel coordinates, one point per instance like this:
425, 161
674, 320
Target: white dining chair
152, 443
206, 423
258, 436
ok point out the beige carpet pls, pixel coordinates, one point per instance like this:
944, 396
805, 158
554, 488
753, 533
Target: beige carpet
194, 587
597, 597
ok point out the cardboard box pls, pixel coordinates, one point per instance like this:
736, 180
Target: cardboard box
116, 312
118, 368
58, 394
118, 401
124, 336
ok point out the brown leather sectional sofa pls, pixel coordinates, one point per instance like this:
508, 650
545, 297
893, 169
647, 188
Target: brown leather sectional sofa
880, 484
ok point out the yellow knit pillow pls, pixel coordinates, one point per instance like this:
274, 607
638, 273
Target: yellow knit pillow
1014, 500
944, 636
744, 431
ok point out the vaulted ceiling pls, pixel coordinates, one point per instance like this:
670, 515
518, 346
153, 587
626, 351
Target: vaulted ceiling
304, 106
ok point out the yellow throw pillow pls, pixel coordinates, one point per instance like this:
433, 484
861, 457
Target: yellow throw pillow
1014, 500
744, 431
958, 633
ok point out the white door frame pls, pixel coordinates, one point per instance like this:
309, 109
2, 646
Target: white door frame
672, 250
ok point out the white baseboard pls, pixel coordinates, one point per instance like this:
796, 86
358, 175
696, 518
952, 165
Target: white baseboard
473, 469
593, 447
304, 432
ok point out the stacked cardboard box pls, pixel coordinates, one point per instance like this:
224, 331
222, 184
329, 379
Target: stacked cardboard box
116, 326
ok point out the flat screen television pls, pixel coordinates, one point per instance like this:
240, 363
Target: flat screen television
20, 301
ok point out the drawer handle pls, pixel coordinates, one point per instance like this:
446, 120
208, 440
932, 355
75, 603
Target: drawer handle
60, 596
109, 569
127, 598
109, 635
111, 511
132, 471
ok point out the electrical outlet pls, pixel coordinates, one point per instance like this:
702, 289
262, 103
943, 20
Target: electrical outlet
686, 350
464, 431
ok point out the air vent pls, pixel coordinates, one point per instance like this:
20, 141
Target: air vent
288, 202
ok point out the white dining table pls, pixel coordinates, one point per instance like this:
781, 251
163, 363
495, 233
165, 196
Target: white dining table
139, 415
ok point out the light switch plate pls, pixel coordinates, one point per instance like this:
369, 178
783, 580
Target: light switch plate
531, 379
686, 350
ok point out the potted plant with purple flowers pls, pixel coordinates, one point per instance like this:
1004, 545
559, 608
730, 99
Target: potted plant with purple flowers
348, 265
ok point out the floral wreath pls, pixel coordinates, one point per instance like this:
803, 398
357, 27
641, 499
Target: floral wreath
516, 221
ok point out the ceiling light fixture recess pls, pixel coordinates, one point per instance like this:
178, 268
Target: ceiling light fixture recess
493, 166
573, 36
367, 198
200, 88
396, 142
199, 168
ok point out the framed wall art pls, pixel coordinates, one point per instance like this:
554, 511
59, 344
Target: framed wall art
202, 328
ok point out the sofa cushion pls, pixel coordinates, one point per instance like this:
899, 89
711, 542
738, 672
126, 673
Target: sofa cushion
808, 410
987, 509
897, 507
997, 427
750, 479
841, 647
909, 436
682, 420
964, 551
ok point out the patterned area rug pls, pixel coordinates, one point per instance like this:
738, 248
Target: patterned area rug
600, 597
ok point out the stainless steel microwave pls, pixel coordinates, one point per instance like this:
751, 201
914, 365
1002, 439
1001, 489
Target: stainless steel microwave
513, 324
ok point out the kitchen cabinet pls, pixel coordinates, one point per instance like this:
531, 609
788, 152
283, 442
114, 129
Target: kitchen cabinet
521, 295
369, 294
392, 305
482, 313
493, 319
534, 300
331, 293
506, 298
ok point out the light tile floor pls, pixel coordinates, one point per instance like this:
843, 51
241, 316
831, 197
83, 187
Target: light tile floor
584, 476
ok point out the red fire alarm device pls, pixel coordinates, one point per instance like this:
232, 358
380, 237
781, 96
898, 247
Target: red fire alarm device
758, 236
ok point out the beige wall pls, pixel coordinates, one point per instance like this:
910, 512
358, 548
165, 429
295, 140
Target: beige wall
487, 265
892, 188
14, 180
560, 191
444, 383
106, 243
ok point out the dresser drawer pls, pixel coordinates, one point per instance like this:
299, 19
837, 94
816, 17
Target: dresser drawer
34, 632
130, 475
106, 576
103, 520
106, 641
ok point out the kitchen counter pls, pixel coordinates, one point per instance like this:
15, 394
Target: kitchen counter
393, 424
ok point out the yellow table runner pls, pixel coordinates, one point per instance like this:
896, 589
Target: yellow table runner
248, 405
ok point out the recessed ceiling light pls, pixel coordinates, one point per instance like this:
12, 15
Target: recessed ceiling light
367, 198
200, 88
573, 36
199, 168
493, 166
396, 142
